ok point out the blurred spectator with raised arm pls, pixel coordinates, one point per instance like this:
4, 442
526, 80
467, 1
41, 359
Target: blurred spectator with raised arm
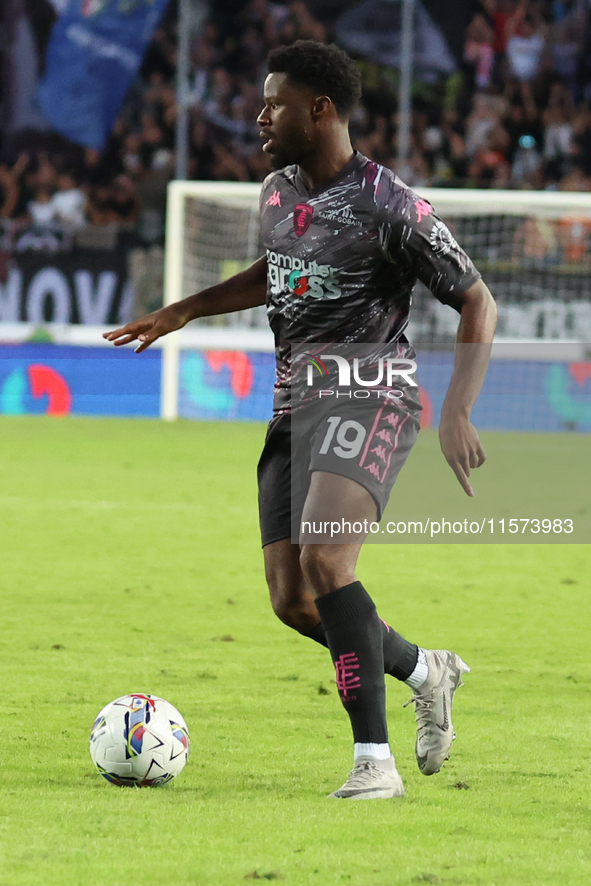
69, 201
525, 43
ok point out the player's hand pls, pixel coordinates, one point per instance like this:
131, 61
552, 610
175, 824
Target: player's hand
461, 447
149, 328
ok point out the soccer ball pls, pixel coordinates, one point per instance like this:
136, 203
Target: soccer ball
139, 741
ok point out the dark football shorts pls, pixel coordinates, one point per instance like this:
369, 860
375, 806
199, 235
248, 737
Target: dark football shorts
367, 441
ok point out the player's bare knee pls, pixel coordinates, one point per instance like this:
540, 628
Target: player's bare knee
282, 607
325, 568
284, 600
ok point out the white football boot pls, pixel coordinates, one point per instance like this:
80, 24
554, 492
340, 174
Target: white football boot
371, 779
433, 701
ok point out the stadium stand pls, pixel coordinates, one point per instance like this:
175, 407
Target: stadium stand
515, 113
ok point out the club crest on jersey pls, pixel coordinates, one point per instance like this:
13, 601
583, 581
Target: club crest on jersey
302, 218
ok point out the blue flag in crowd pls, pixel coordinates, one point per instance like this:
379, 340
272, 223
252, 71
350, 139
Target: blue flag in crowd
95, 49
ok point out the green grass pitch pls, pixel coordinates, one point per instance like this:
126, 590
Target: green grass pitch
130, 562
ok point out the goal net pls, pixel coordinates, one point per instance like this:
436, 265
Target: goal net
532, 248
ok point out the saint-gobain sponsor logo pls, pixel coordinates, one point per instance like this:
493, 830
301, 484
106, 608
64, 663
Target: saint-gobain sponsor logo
304, 278
344, 216
386, 372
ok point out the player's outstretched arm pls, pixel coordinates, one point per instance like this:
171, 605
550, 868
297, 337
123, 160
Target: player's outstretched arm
244, 290
459, 439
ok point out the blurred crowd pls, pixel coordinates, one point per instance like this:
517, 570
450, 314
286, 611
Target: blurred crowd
516, 114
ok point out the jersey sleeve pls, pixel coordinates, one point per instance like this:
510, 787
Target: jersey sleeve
412, 235
266, 190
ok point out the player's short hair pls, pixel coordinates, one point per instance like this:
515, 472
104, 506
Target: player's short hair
323, 68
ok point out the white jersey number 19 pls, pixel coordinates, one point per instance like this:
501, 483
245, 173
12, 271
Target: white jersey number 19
349, 437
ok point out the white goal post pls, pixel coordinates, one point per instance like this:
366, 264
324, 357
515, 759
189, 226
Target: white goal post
532, 247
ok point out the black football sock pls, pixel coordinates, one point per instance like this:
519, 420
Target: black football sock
317, 634
400, 656
354, 636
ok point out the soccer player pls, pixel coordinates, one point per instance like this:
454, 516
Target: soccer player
345, 242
